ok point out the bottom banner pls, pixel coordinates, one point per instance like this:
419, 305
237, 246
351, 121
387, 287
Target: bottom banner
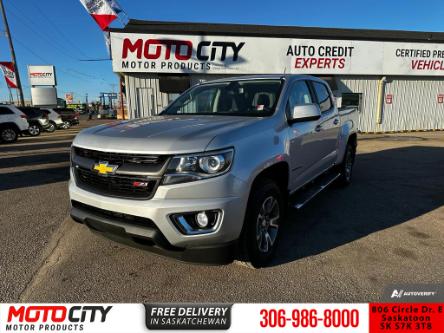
302, 318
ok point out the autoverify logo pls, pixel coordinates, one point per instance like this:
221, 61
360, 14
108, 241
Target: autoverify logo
397, 294
401, 293
54, 317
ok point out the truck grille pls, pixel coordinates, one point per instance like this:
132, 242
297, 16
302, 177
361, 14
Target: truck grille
119, 158
137, 176
115, 185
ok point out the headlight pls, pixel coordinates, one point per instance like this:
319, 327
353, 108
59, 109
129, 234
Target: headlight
198, 166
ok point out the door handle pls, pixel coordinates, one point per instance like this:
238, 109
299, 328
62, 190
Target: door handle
318, 128
336, 121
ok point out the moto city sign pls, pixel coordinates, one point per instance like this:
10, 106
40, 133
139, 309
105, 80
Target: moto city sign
153, 53
41, 75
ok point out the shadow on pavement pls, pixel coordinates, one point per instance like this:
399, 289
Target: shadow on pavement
29, 178
21, 148
389, 187
34, 160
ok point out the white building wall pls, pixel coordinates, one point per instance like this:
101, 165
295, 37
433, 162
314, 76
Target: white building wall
143, 95
415, 100
414, 107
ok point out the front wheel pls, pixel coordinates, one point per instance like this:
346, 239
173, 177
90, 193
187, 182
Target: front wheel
8, 134
263, 219
34, 130
346, 167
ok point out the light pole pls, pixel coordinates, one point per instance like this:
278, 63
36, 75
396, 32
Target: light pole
11, 47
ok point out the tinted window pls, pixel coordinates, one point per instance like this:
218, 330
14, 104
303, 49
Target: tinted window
4, 111
300, 94
323, 96
65, 111
255, 98
31, 112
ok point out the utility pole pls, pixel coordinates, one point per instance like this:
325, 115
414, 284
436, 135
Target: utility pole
86, 100
11, 47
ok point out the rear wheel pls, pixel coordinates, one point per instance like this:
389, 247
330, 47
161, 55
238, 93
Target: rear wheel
34, 130
263, 218
52, 127
346, 167
8, 134
66, 125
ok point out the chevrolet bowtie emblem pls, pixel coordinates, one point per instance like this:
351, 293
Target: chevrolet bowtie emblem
104, 168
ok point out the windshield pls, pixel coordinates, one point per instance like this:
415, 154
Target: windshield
255, 98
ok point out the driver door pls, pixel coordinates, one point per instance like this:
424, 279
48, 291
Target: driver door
303, 138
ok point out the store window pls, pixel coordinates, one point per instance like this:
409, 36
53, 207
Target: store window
352, 100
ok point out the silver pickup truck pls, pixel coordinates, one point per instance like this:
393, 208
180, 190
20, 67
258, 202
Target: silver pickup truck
213, 174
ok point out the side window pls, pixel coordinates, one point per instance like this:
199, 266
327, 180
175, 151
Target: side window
323, 95
299, 95
5, 111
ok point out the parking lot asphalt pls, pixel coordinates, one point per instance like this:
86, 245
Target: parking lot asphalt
345, 246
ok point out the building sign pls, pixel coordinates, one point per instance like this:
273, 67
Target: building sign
389, 99
69, 98
44, 96
254, 55
41, 75
440, 98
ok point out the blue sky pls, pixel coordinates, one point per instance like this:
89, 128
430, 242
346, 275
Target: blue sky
60, 32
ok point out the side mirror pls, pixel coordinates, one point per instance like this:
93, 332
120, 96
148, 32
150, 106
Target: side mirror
307, 112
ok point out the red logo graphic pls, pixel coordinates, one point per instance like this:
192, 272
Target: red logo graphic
181, 50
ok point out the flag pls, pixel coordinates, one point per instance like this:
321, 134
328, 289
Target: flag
115, 6
9, 71
101, 11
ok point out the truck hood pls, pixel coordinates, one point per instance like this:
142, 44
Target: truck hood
160, 134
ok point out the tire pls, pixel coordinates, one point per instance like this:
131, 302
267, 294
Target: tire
264, 214
52, 127
346, 167
8, 134
66, 125
34, 130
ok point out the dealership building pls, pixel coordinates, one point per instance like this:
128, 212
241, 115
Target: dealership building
394, 78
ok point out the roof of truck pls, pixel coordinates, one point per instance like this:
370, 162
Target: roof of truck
193, 28
265, 77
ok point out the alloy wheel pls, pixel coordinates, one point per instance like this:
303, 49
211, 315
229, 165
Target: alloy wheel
348, 167
8, 135
34, 130
267, 225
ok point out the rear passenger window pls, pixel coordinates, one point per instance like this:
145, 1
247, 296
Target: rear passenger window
4, 111
323, 95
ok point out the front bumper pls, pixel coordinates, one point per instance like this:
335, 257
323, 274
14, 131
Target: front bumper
225, 193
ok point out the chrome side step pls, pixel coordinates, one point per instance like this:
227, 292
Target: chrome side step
302, 197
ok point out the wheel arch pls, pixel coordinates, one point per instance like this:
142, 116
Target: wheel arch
278, 172
10, 125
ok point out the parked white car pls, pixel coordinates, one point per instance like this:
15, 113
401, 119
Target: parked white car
55, 120
12, 123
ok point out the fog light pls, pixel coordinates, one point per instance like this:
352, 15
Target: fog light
194, 223
202, 219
